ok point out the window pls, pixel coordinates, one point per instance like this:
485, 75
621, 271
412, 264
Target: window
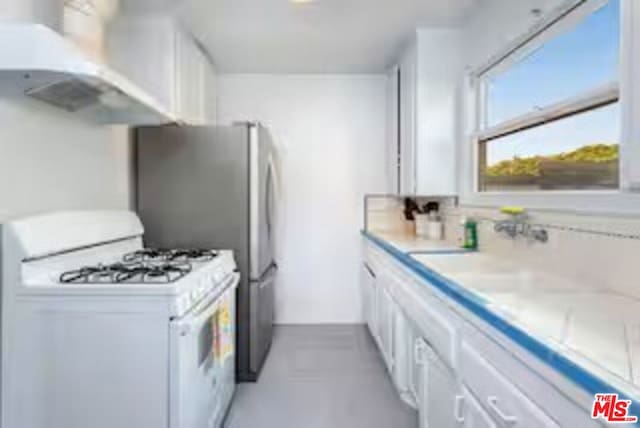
550, 115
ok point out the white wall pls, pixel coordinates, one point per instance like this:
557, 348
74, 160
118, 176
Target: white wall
50, 160
330, 134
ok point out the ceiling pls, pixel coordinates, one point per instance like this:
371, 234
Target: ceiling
325, 36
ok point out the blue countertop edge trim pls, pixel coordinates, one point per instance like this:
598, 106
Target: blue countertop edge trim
452, 251
478, 306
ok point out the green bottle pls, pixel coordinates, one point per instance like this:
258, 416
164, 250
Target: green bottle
470, 234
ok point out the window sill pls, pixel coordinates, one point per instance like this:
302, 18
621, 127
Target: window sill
604, 202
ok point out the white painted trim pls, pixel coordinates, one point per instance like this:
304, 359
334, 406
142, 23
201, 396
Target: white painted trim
593, 99
567, 14
618, 203
630, 96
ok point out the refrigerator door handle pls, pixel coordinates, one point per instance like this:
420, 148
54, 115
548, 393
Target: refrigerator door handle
267, 205
271, 270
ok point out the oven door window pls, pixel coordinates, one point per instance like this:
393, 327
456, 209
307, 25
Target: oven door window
206, 339
215, 340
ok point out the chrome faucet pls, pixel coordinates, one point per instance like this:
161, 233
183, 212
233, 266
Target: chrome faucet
510, 227
517, 225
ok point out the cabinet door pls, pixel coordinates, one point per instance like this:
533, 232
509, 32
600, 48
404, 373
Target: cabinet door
439, 402
473, 414
408, 95
393, 131
436, 115
143, 50
210, 94
369, 298
403, 357
190, 82
385, 314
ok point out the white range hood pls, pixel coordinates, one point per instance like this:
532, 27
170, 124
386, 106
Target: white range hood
38, 62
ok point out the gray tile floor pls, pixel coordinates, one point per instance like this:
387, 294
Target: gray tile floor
321, 377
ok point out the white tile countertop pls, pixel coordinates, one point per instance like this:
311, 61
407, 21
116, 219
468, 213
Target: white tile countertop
595, 329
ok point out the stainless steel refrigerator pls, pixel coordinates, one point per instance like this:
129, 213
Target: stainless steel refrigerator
213, 187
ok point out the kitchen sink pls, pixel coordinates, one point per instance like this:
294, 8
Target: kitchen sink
522, 281
488, 274
472, 263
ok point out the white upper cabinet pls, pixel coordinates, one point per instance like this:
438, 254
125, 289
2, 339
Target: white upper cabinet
139, 48
210, 93
46, 12
407, 121
192, 68
157, 54
430, 72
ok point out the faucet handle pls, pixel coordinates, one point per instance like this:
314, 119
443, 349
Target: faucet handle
539, 234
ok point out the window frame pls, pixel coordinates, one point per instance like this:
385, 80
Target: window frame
624, 199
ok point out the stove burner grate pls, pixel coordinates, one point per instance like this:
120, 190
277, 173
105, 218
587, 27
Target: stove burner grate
170, 255
119, 273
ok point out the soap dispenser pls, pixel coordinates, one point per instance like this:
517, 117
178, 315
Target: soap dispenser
470, 235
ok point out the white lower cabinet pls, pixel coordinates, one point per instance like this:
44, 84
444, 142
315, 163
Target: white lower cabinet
439, 401
473, 415
453, 371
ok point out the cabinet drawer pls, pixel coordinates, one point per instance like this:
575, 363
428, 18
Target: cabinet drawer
373, 257
528, 375
502, 400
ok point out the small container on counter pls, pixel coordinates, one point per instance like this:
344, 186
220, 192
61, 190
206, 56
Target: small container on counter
435, 230
422, 225
410, 227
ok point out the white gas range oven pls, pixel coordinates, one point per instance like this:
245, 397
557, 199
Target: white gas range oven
99, 332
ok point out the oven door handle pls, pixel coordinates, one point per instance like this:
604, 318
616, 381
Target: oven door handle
206, 309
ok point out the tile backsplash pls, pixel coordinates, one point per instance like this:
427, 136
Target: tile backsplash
385, 213
597, 251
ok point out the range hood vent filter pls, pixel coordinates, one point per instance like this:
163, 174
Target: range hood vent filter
71, 94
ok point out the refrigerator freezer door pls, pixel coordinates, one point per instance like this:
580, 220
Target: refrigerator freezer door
262, 177
262, 318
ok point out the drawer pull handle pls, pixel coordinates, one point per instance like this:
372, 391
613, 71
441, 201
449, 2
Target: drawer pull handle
458, 409
371, 272
508, 420
420, 349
